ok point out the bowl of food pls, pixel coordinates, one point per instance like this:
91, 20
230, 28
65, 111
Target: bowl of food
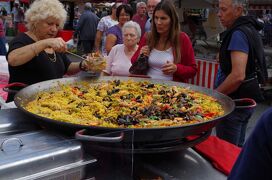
96, 62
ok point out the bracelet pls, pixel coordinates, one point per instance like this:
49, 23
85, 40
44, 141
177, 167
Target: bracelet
81, 67
33, 49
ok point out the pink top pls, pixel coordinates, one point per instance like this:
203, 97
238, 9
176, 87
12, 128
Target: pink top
118, 63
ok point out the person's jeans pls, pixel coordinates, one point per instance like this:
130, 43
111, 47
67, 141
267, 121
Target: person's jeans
233, 127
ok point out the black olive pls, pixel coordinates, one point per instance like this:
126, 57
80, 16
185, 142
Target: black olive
130, 96
122, 97
97, 115
187, 105
183, 95
107, 98
71, 101
121, 121
124, 120
166, 100
182, 114
117, 82
110, 119
187, 118
127, 120
143, 111
134, 108
161, 92
109, 105
81, 104
114, 91
150, 86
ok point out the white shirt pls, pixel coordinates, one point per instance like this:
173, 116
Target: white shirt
156, 60
118, 63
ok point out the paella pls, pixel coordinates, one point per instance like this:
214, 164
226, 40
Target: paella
125, 104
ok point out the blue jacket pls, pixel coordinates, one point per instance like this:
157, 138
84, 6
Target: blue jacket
86, 27
255, 159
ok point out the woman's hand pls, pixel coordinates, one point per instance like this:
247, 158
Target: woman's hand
145, 50
169, 68
57, 44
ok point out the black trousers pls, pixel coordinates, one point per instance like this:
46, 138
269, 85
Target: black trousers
88, 45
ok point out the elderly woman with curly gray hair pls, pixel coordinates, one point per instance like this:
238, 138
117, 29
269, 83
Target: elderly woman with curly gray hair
38, 55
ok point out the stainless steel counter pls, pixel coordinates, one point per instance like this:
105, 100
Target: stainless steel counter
186, 164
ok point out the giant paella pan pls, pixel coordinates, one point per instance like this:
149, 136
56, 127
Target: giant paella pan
141, 133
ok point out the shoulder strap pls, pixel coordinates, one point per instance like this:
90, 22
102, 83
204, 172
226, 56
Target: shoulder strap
258, 63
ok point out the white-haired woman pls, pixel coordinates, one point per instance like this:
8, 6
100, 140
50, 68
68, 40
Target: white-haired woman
118, 60
37, 54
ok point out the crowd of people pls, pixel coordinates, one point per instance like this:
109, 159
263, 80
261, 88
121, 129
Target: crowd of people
154, 31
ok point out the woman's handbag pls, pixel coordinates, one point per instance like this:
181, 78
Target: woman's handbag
140, 66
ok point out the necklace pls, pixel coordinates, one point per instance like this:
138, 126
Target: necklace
52, 57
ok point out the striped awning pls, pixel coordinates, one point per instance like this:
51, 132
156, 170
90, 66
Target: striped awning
206, 73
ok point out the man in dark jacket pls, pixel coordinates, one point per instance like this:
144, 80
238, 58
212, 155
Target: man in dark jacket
86, 28
241, 60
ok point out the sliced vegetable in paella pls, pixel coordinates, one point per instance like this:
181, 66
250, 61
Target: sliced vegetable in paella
128, 104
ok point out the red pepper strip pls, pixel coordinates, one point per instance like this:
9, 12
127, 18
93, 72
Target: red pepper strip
199, 110
133, 99
210, 114
76, 91
165, 107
